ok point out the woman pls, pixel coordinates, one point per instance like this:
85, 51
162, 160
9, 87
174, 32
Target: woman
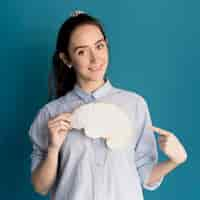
72, 166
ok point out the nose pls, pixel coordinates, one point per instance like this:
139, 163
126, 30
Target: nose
93, 56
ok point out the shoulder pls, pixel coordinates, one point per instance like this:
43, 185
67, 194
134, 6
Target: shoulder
132, 96
52, 108
61, 104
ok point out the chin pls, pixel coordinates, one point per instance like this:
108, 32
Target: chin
97, 79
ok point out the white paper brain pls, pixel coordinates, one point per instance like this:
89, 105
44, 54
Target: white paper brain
104, 120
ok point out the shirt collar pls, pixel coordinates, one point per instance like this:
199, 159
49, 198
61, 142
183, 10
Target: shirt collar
99, 92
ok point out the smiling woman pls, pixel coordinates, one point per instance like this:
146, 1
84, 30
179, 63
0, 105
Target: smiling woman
79, 57
72, 166
88, 53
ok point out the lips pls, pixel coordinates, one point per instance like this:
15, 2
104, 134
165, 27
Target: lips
95, 68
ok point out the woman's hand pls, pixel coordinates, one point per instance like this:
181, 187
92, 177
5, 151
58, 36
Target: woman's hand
170, 145
58, 129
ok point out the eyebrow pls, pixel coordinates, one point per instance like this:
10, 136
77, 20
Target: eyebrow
83, 46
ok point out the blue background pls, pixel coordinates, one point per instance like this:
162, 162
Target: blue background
155, 51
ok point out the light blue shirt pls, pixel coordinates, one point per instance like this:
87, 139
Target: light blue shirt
88, 169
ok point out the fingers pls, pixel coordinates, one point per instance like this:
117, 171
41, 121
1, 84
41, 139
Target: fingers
162, 145
163, 136
60, 128
160, 131
64, 117
60, 124
162, 139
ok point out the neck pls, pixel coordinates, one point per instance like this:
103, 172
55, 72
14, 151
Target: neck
91, 86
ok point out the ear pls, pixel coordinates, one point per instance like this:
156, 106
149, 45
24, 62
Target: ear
63, 57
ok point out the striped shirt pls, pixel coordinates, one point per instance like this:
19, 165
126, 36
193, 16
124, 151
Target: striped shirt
87, 168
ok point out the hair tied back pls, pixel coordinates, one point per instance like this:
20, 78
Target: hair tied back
77, 13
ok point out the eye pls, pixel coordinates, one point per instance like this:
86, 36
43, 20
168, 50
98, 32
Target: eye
80, 53
100, 46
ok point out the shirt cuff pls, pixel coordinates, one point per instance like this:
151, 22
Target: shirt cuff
153, 186
36, 157
146, 176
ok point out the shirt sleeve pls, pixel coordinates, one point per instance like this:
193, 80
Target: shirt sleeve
146, 155
38, 133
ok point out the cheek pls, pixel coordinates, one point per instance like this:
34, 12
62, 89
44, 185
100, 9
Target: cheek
106, 55
81, 63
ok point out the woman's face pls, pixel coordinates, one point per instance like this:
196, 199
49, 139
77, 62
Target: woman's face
88, 53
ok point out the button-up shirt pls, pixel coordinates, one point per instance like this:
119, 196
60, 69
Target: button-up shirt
87, 168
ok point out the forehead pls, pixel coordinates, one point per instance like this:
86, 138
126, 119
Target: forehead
85, 35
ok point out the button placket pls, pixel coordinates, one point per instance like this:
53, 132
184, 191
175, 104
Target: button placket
99, 152
99, 160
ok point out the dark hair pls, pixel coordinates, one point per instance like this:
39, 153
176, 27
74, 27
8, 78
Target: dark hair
61, 78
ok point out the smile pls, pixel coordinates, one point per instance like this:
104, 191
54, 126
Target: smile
96, 69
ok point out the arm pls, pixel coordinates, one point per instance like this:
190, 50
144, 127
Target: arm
47, 136
160, 170
146, 154
172, 147
44, 160
44, 175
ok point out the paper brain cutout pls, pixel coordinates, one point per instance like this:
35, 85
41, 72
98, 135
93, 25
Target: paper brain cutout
104, 120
